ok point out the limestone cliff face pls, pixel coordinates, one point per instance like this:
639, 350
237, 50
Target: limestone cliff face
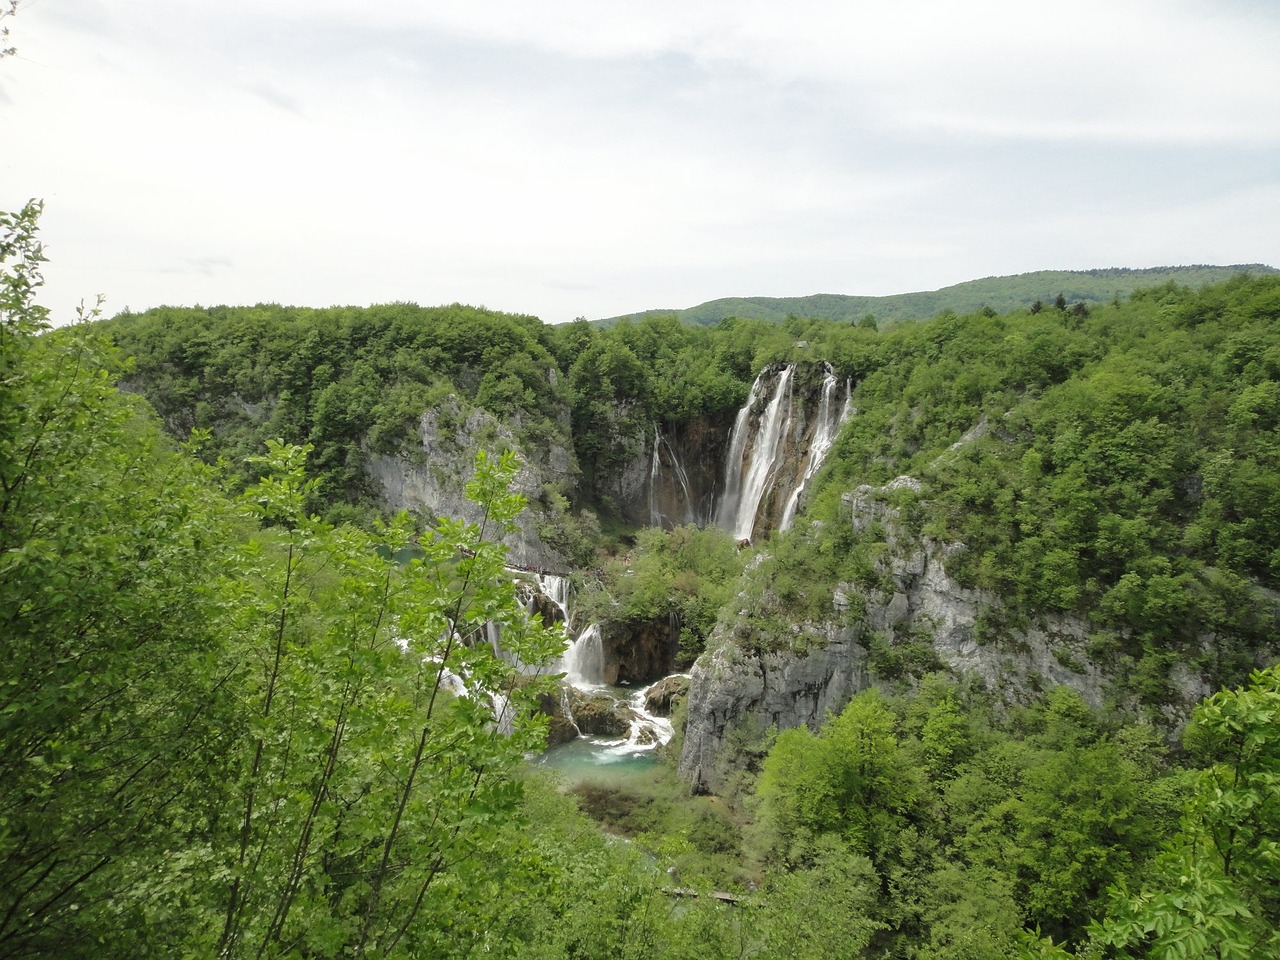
676, 475
431, 476
731, 689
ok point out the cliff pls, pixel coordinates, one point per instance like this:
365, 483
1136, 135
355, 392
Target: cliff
916, 604
429, 476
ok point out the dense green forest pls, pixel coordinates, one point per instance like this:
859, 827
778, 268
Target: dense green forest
1123, 464
1023, 290
230, 720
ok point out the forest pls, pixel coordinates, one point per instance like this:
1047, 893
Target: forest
1003, 294
248, 710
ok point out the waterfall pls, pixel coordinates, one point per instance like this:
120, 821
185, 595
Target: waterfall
499, 704
682, 477
584, 659
747, 480
556, 589
583, 663
655, 475
656, 516
825, 432
648, 731
493, 633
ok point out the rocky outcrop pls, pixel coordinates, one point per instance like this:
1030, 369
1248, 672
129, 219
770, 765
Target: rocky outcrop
665, 695
601, 714
557, 707
730, 689
916, 603
431, 476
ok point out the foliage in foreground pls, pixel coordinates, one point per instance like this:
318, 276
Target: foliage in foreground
227, 727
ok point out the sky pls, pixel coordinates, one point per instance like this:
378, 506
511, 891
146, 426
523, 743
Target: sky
589, 158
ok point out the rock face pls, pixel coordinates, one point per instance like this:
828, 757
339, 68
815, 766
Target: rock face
640, 652
601, 714
432, 477
731, 689
677, 474
561, 728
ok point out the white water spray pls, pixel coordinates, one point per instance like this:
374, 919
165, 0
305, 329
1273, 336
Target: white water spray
584, 659
747, 480
824, 435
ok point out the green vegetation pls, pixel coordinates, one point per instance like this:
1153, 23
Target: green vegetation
1032, 291
348, 381
1119, 465
224, 724
227, 725
681, 576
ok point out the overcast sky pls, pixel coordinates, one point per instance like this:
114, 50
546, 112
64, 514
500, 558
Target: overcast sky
571, 158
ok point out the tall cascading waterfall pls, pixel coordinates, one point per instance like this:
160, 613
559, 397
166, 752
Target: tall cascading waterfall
747, 478
827, 428
778, 443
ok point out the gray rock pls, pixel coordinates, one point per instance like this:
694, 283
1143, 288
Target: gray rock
432, 476
733, 690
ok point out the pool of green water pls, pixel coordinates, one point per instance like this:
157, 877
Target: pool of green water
585, 760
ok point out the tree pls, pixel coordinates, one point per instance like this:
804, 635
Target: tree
1215, 892
370, 785
227, 727
114, 719
849, 780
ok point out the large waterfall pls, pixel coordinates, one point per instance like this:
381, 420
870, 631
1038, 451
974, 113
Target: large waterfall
776, 448
750, 467
825, 432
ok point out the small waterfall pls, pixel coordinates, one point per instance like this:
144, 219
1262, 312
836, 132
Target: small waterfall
584, 659
655, 477
747, 480
503, 715
825, 432
682, 477
493, 633
556, 589
648, 731
677, 471
566, 707
499, 704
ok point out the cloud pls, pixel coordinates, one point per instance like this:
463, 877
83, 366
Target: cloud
570, 158
201, 266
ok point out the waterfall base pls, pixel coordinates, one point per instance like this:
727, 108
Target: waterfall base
627, 734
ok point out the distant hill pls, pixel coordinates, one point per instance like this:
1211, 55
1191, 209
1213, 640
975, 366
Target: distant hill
1001, 294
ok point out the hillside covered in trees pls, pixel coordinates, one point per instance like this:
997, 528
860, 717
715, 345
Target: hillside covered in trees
1003, 294
248, 710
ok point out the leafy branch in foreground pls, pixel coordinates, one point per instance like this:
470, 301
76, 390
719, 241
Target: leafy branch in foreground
1215, 893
